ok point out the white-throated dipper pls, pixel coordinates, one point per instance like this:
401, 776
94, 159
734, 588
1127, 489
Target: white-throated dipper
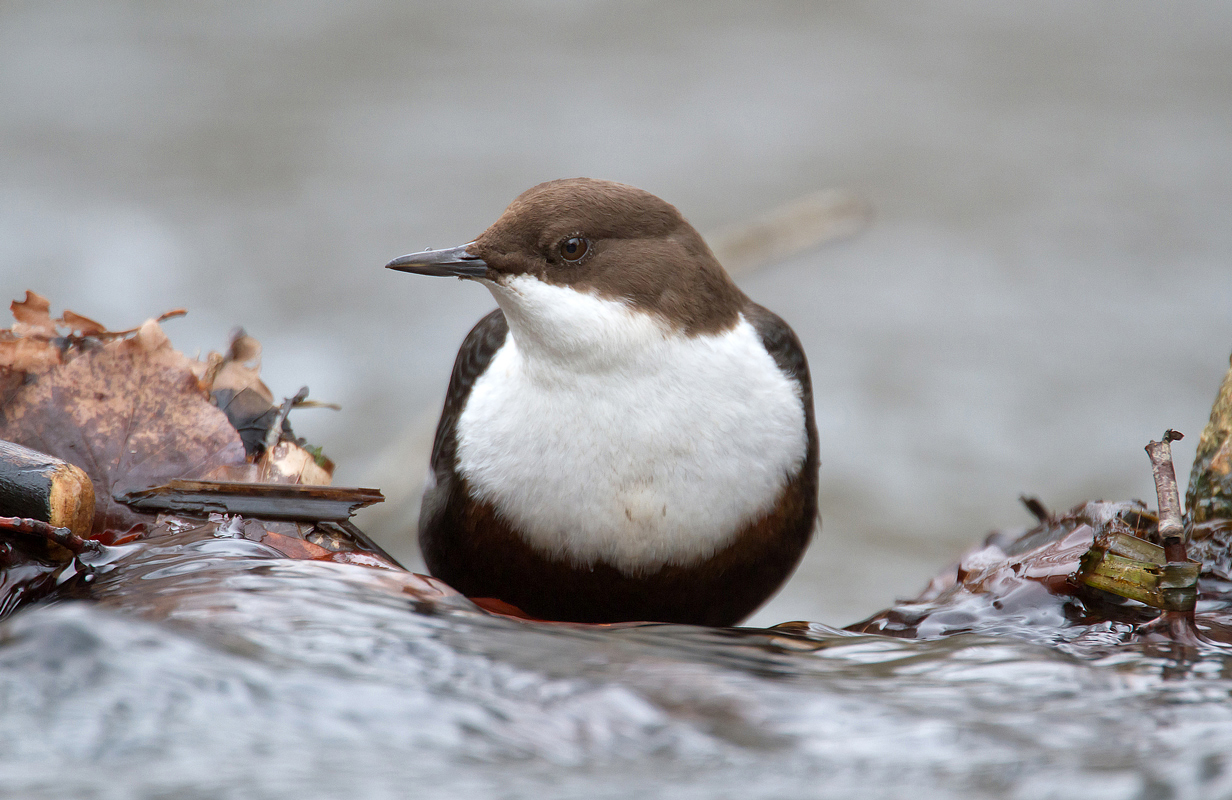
628, 437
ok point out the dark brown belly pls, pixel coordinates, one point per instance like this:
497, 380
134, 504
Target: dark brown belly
470, 547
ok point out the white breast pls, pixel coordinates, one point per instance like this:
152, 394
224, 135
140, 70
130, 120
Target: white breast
604, 436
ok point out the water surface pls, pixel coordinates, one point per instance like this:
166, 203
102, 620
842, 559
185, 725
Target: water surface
208, 668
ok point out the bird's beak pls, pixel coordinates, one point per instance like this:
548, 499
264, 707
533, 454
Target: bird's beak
454, 261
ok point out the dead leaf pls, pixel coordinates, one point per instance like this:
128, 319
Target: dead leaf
292, 546
27, 350
240, 368
287, 462
25, 355
1008, 576
33, 316
20, 361
131, 414
250, 413
81, 325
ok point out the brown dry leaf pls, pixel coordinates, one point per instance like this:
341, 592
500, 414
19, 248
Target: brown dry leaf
131, 414
26, 350
287, 462
81, 325
21, 358
22, 355
240, 368
310, 543
33, 316
34, 345
294, 546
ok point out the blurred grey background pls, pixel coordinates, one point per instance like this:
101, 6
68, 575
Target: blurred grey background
1045, 287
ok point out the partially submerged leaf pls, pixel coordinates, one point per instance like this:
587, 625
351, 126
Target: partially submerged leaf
199, 564
1017, 578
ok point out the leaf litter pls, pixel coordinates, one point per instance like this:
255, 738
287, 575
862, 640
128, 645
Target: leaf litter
142, 418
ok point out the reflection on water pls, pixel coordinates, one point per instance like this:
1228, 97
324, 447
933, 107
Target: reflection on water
243, 675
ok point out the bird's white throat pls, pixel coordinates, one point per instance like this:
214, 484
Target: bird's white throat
603, 435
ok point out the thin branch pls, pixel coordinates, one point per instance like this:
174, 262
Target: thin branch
43, 531
1179, 626
274, 435
1171, 528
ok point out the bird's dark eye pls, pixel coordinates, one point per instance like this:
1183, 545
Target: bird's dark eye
574, 248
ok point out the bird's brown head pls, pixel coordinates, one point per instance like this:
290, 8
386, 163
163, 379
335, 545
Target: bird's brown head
603, 238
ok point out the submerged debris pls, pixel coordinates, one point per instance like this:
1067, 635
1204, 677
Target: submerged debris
1134, 568
1103, 570
1138, 570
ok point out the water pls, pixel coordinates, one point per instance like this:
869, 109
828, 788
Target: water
208, 668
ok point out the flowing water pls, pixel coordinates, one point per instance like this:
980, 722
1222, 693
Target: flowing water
204, 667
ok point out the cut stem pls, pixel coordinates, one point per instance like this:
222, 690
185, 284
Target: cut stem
1171, 528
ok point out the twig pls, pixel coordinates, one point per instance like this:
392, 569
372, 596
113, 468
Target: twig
790, 229
1171, 529
275, 430
37, 529
1178, 626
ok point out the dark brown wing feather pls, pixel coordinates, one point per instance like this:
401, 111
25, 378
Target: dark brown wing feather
477, 350
780, 340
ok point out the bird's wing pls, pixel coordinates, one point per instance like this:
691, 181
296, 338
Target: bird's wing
477, 350
780, 341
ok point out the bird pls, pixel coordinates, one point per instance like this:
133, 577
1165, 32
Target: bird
627, 437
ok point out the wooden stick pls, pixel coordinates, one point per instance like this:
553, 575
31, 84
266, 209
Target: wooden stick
43, 532
1171, 528
1179, 626
37, 486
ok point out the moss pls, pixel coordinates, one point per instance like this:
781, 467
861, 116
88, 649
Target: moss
1209, 495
